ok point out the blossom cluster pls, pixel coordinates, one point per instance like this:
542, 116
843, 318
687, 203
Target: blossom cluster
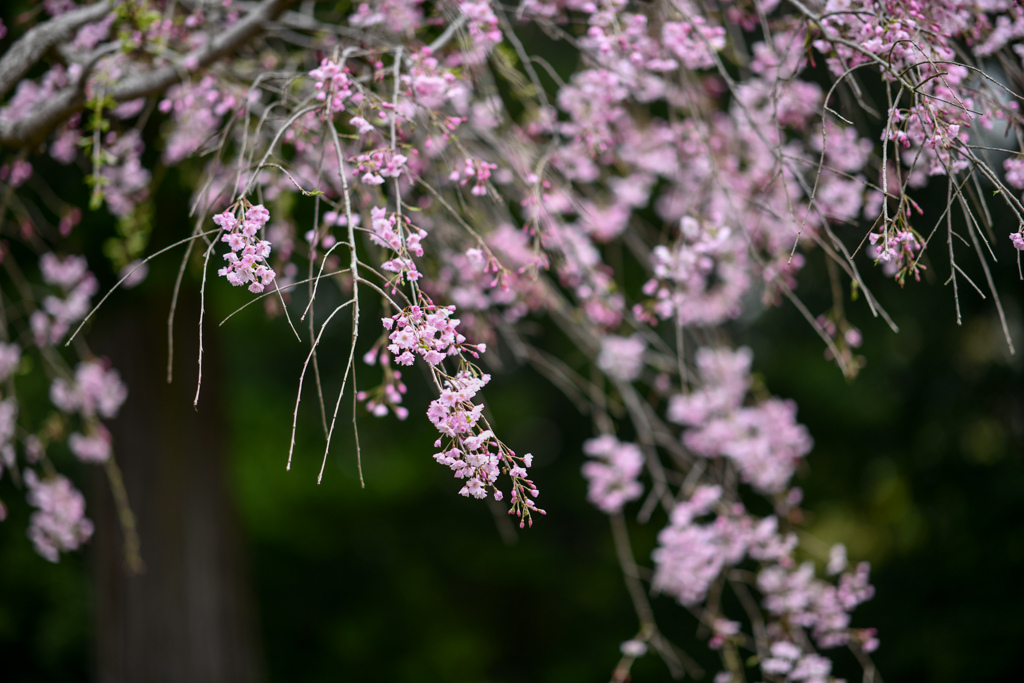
899, 252
96, 391
333, 86
429, 83
16, 174
93, 391
198, 109
691, 553
795, 594
473, 452
913, 38
427, 331
29, 94
706, 535
247, 260
388, 395
622, 358
477, 171
378, 165
71, 276
469, 447
483, 29
59, 525
764, 441
1017, 238
123, 180
404, 241
694, 42
612, 474
701, 279
398, 16
10, 356
455, 415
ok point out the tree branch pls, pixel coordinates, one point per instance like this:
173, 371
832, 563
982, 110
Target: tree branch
36, 42
33, 128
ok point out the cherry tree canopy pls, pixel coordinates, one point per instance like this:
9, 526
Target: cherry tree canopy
463, 179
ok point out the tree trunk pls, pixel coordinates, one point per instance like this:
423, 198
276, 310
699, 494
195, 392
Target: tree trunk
189, 616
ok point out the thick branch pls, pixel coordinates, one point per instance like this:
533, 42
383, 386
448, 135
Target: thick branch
33, 45
33, 128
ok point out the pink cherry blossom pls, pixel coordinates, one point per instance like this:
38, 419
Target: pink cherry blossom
612, 475
59, 525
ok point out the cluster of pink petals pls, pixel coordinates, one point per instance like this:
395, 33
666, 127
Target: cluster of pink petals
1014, 168
92, 448
197, 110
10, 356
909, 37
476, 281
694, 42
789, 660
428, 331
386, 234
71, 275
332, 84
477, 171
470, 453
8, 420
376, 166
402, 240
430, 83
397, 16
612, 474
247, 260
725, 377
878, 34
29, 94
483, 29
626, 43
125, 179
795, 594
16, 174
65, 273
593, 101
470, 449
60, 524
622, 358
361, 125
702, 278
898, 251
764, 441
473, 452
97, 391
937, 130
388, 396
691, 554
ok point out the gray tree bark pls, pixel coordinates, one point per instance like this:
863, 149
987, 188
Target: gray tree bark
190, 615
